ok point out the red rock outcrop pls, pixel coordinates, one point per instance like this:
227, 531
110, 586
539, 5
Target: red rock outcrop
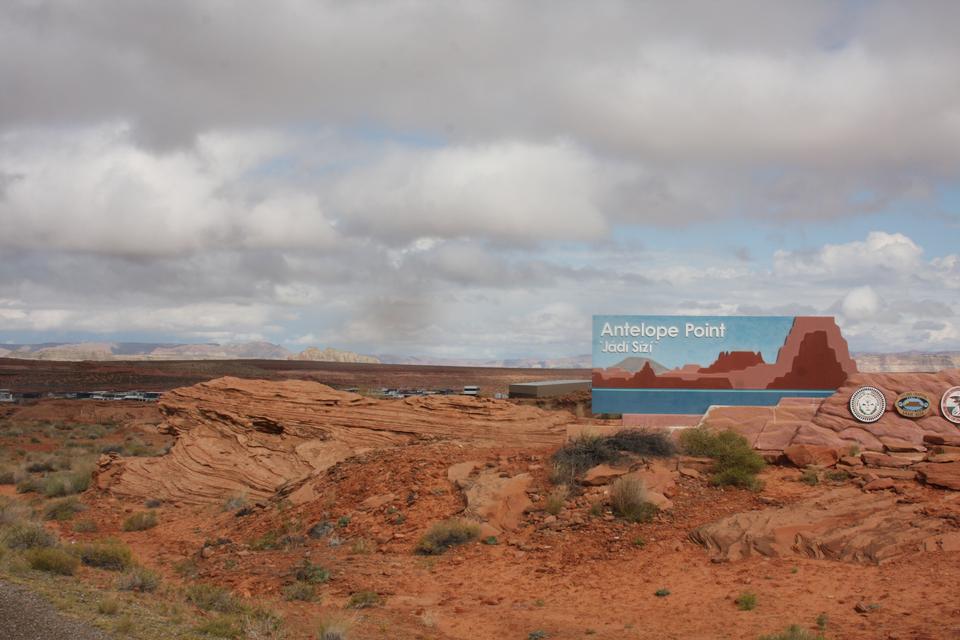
845, 524
254, 436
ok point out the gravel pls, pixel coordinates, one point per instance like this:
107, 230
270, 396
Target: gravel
27, 616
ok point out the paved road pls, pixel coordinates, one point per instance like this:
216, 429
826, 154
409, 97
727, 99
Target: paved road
26, 616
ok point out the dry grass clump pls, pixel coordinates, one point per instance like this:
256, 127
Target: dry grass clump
140, 521
213, 598
67, 483
556, 499
138, 579
110, 555
28, 535
793, 632
630, 501
334, 629
300, 591
52, 560
364, 600
737, 464
443, 535
311, 573
63, 509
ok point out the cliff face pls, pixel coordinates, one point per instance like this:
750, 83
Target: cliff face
333, 355
253, 436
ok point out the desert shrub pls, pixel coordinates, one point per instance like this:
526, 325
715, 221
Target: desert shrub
112, 556
333, 629
361, 546
8, 475
212, 598
234, 503
109, 606
643, 442
85, 526
39, 466
736, 463
810, 477
152, 503
67, 483
63, 509
138, 579
629, 500
52, 560
28, 536
311, 573
583, 453
111, 448
556, 499
443, 535
12, 511
837, 475
364, 600
793, 632
746, 601
222, 627
30, 484
300, 591
539, 634
662, 593
140, 521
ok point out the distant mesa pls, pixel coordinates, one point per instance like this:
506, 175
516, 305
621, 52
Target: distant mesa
333, 355
814, 356
634, 364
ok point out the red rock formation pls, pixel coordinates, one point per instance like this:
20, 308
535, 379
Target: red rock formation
254, 436
816, 366
733, 361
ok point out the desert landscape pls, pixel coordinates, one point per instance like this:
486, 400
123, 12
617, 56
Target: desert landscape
281, 507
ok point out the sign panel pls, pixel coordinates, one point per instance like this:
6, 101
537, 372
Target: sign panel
685, 364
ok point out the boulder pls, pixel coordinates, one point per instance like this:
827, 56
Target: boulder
898, 445
458, 473
602, 474
945, 475
375, 502
943, 457
804, 455
851, 461
879, 484
657, 476
659, 500
883, 460
499, 501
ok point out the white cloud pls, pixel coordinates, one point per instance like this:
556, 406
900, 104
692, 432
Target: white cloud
879, 254
861, 303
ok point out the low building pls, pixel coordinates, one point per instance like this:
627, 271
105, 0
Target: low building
547, 388
471, 390
6, 396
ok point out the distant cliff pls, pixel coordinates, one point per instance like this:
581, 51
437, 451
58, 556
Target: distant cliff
333, 355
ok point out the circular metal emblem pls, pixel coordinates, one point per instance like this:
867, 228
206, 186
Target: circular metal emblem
913, 404
867, 404
950, 405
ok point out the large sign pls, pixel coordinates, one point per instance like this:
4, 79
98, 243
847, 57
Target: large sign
685, 364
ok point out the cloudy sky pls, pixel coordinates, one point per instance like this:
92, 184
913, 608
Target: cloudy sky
475, 179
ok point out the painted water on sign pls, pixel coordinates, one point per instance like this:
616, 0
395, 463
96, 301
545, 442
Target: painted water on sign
685, 364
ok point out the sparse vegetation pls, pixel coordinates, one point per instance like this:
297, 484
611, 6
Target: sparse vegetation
793, 632
138, 579
222, 627
629, 499
141, 521
810, 477
333, 629
746, 601
109, 606
235, 503
85, 526
66, 483
300, 591
28, 536
539, 634
63, 509
556, 499
736, 463
110, 555
212, 598
662, 593
443, 535
364, 600
312, 573
52, 560
585, 452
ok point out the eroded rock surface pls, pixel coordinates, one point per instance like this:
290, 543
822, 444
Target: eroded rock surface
845, 524
251, 437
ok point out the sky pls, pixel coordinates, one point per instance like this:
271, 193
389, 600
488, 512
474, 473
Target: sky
475, 179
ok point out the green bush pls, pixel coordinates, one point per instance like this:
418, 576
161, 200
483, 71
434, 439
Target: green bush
364, 600
66, 483
629, 500
212, 598
793, 632
810, 477
63, 509
301, 591
52, 560
30, 484
736, 463
312, 573
112, 556
8, 475
746, 601
443, 535
139, 579
222, 627
140, 521
29, 536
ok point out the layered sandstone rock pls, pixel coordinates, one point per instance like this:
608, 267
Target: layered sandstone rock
255, 436
845, 524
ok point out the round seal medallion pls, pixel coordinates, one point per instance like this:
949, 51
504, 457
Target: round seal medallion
950, 405
913, 404
867, 404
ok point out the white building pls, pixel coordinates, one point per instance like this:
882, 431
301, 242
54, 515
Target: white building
6, 396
